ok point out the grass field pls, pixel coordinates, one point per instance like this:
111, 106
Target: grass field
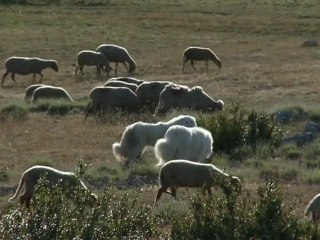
264, 68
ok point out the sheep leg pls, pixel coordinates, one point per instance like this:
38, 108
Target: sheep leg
207, 66
81, 69
192, 64
160, 191
115, 68
12, 77
75, 70
125, 65
3, 77
173, 192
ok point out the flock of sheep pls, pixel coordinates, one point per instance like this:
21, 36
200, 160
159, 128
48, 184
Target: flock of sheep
182, 148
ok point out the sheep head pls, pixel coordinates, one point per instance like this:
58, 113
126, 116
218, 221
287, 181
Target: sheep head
53, 65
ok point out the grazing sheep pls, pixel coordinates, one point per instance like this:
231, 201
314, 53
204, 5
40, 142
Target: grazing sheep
183, 173
92, 58
31, 176
117, 54
29, 91
103, 98
180, 142
174, 96
313, 209
199, 53
149, 92
25, 66
127, 80
141, 134
115, 83
50, 92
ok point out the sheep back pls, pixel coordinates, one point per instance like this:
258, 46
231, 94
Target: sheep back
127, 80
50, 92
115, 97
115, 83
183, 97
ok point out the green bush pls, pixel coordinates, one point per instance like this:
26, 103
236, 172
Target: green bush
14, 111
243, 218
56, 217
236, 130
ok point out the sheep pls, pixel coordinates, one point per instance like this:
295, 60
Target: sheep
132, 86
127, 80
180, 142
117, 54
91, 58
174, 96
199, 53
313, 209
184, 173
29, 91
31, 176
113, 97
141, 134
149, 92
25, 66
50, 92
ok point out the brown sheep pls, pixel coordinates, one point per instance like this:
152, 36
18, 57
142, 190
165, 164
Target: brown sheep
183, 173
29, 91
174, 96
31, 176
25, 66
199, 54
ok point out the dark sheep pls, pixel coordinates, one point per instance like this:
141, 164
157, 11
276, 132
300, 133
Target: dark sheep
174, 96
25, 66
117, 54
92, 58
50, 92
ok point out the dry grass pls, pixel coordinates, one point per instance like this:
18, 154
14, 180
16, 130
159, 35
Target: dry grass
264, 67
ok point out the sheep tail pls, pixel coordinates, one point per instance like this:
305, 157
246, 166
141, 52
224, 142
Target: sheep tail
116, 148
18, 189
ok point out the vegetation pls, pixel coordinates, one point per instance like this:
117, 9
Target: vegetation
264, 70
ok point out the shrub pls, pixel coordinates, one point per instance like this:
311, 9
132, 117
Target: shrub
242, 218
235, 130
17, 112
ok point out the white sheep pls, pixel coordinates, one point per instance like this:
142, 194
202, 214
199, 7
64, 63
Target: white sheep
92, 58
103, 98
183, 173
29, 91
30, 177
50, 92
114, 83
180, 142
201, 54
313, 209
127, 80
177, 96
117, 54
25, 66
141, 134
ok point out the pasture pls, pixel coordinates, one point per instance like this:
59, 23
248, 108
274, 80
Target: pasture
264, 68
